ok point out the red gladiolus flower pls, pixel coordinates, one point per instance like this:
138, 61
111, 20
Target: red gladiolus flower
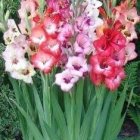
110, 41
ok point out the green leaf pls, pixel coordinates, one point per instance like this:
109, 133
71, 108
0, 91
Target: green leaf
59, 115
78, 107
40, 112
86, 124
37, 135
103, 118
115, 119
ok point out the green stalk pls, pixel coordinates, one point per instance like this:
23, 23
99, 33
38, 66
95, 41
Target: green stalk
103, 118
114, 3
41, 6
72, 113
78, 107
46, 100
67, 106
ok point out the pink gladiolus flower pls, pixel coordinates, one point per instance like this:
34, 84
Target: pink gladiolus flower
117, 58
82, 44
128, 15
50, 26
52, 47
60, 6
43, 61
38, 35
66, 80
114, 81
77, 65
66, 32
100, 65
107, 63
83, 23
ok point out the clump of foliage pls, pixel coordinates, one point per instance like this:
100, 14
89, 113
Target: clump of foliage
132, 70
11, 5
8, 118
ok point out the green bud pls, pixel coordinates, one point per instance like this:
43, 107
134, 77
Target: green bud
6, 17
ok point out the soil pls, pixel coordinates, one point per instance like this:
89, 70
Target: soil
129, 129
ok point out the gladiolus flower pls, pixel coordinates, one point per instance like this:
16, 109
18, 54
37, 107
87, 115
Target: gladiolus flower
38, 35
52, 47
100, 65
66, 32
66, 80
114, 81
50, 27
24, 74
82, 44
77, 65
130, 52
43, 61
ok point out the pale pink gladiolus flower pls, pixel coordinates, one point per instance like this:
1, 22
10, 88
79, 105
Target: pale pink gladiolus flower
83, 44
65, 32
129, 32
28, 7
66, 80
130, 52
132, 16
94, 3
83, 23
77, 65
23, 26
14, 58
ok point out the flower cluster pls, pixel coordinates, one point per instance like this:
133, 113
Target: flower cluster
107, 63
71, 36
14, 55
114, 47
